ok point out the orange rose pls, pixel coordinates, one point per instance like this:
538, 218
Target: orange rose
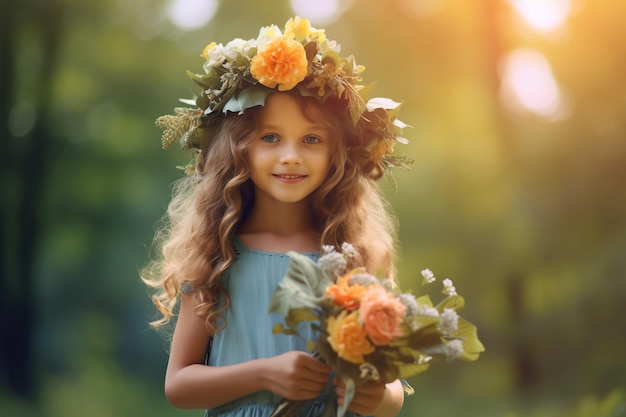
381, 314
282, 62
347, 337
344, 295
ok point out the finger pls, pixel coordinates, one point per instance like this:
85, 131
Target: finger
317, 365
338, 382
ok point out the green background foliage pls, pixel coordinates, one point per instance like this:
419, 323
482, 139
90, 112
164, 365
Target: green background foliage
527, 215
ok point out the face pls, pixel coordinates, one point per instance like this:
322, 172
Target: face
289, 154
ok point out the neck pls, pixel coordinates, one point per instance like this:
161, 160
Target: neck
279, 228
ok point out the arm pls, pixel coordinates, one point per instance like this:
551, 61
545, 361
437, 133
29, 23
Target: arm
378, 400
191, 384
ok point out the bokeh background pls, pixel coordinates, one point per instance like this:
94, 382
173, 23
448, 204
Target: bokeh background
518, 115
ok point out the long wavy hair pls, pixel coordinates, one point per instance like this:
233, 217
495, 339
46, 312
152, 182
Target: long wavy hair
194, 242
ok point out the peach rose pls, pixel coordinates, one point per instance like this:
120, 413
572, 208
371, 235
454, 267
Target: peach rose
281, 63
344, 295
348, 338
381, 315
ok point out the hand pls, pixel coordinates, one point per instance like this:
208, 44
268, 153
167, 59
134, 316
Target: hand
367, 398
296, 375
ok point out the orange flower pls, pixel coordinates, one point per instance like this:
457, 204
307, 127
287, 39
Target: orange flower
281, 63
348, 338
344, 295
381, 314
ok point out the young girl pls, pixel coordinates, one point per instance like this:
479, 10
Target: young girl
287, 151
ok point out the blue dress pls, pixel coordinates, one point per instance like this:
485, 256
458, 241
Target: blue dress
250, 282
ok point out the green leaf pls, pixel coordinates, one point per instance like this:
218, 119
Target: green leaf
199, 80
472, 346
424, 300
409, 370
301, 288
247, 98
455, 302
426, 339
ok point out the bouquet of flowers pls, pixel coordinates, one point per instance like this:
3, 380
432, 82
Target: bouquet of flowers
365, 328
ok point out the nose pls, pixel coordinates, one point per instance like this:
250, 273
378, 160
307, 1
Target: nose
290, 155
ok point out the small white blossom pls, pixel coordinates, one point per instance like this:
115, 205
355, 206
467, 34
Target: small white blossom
424, 359
326, 249
363, 279
348, 250
428, 276
333, 263
448, 287
454, 349
428, 311
410, 303
369, 371
414, 326
228, 79
449, 321
387, 284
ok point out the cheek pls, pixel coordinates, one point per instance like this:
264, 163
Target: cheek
326, 159
256, 157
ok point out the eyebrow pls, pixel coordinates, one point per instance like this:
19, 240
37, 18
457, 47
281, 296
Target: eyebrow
327, 128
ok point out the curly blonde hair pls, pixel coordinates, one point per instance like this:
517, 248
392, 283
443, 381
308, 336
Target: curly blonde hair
195, 240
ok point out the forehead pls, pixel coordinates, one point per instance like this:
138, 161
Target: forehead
281, 108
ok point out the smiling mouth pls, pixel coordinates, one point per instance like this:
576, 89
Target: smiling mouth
289, 176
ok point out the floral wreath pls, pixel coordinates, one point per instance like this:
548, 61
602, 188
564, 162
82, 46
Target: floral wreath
241, 75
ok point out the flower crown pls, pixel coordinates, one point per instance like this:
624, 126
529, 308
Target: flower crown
241, 75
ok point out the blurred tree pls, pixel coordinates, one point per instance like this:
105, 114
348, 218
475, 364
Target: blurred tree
24, 170
493, 14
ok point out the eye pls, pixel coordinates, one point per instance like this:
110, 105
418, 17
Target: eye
312, 139
271, 138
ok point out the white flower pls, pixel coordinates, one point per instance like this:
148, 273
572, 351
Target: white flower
216, 57
363, 279
449, 321
326, 249
329, 45
239, 46
266, 34
387, 284
454, 349
448, 287
333, 263
410, 303
348, 250
428, 276
427, 311
424, 359
369, 371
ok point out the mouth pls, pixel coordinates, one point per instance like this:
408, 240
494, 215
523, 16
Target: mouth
289, 177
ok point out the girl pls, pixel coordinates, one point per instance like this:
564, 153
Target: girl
287, 152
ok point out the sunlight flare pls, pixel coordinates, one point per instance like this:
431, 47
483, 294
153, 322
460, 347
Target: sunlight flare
529, 84
543, 15
191, 14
